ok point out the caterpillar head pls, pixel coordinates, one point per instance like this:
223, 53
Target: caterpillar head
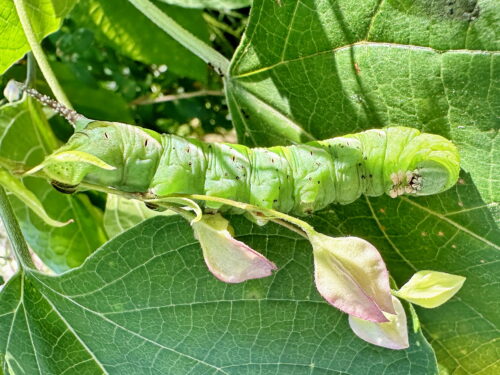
431, 166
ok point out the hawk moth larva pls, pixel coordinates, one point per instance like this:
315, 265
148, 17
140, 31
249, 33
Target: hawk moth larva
296, 179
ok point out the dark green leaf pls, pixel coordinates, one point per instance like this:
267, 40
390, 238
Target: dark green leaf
328, 68
123, 27
317, 69
146, 303
454, 233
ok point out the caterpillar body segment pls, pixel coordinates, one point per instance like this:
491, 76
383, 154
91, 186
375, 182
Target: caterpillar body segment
298, 179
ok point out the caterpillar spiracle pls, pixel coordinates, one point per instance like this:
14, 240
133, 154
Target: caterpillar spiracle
297, 179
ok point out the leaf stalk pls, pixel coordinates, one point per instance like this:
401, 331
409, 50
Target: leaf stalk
14, 233
183, 36
40, 57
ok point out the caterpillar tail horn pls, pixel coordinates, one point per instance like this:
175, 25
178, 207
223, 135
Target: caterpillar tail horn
14, 90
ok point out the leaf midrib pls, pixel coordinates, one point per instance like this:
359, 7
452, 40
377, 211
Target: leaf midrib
364, 43
118, 326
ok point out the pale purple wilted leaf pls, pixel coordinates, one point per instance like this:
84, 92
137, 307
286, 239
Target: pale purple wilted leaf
230, 260
392, 335
351, 275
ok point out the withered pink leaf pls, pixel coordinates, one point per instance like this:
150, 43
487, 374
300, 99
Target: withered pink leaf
230, 260
351, 275
392, 334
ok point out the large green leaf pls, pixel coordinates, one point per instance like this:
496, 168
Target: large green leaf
146, 303
119, 24
214, 4
122, 214
455, 233
318, 68
45, 17
25, 136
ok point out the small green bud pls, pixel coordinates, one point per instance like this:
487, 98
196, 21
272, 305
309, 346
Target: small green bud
430, 288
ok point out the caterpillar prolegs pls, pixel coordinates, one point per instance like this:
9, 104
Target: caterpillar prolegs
296, 179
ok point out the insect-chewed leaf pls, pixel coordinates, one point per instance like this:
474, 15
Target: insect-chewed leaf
392, 334
228, 259
430, 288
16, 187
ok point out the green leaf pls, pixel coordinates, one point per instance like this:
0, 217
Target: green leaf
430, 289
213, 4
26, 137
45, 17
122, 214
15, 186
313, 70
118, 24
453, 232
145, 302
331, 68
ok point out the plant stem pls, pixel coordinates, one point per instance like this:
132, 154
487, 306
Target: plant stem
220, 25
172, 97
14, 232
31, 70
291, 227
183, 36
270, 214
40, 57
287, 221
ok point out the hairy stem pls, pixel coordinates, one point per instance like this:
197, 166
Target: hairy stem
184, 37
14, 233
40, 57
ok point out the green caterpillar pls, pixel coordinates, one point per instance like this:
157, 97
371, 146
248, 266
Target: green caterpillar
296, 179
265, 184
